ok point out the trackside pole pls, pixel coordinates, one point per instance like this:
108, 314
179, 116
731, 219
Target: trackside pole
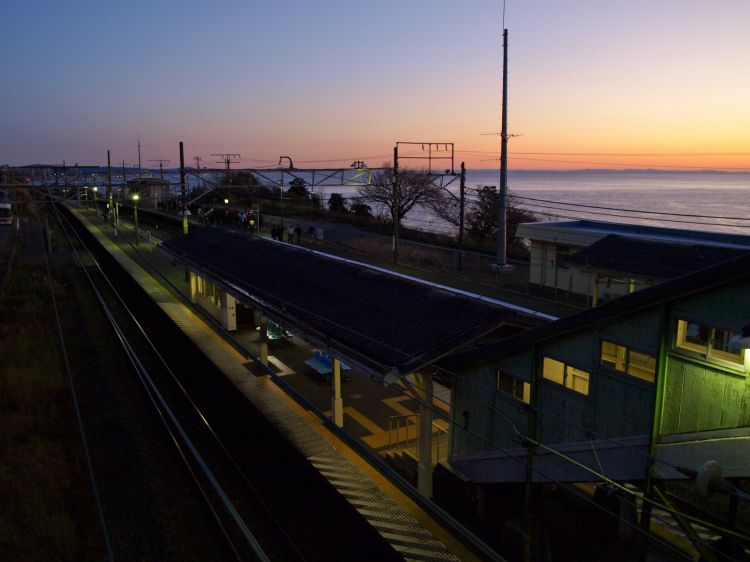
337, 402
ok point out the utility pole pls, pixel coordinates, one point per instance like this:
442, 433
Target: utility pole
183, 191
109, 188
124, 173
198, 164
161, 166
461, 209
139, 157
502, 259
395, 203
227, 158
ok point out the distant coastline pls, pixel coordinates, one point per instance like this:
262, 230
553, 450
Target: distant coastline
619, 171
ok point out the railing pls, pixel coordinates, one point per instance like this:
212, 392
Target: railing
403, 434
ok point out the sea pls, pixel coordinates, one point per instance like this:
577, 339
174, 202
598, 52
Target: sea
696, 200
700, 200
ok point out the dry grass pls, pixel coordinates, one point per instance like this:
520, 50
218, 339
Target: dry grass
40, 466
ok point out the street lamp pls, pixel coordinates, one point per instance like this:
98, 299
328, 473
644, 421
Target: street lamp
135, 215
96, 209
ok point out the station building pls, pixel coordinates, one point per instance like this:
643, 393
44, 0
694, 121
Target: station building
661, 374
593, 262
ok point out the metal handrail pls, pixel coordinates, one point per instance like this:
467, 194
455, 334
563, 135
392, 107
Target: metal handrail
396, 442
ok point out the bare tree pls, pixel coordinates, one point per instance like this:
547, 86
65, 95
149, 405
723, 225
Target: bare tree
397, 194
413, 188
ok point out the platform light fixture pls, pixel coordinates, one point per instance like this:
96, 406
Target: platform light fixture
136, 197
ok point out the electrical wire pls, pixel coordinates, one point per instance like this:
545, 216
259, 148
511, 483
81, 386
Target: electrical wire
661, 213
648, 166
470, 151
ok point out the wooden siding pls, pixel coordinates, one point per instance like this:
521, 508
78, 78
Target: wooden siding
639, 332
699, 397
517, 364
581, 351
563, 414
622, 405
728, 308
490, 414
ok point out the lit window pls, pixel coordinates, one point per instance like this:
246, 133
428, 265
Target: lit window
565, 375
707, 341
208, 291
513, 386
625, 360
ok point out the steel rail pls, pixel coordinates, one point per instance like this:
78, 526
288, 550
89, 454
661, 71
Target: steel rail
164, 409
76, 405
269, 513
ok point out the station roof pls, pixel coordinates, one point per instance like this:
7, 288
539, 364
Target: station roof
650, 259
585, 232
382, 321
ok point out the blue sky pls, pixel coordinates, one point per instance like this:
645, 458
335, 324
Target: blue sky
333, 79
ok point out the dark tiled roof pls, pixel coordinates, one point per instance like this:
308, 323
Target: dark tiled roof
381, 320
623, 255
731, 271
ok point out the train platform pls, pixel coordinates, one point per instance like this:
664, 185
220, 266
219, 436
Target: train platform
369, 405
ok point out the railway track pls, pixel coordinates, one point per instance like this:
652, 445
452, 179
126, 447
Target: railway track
267, 500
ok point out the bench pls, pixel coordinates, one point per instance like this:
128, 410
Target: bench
322, 364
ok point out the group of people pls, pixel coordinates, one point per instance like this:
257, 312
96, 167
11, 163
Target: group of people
277, 233
227, 215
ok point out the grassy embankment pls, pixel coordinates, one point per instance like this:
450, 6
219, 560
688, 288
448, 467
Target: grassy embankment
44, 490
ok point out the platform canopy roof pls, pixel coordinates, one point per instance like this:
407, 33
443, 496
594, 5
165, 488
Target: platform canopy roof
650, 259
383, 322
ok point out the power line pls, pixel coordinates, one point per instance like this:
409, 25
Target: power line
650, 166
517, 196
533, 207
609, 153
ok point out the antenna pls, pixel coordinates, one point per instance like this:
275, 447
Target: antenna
161, 166
227, 158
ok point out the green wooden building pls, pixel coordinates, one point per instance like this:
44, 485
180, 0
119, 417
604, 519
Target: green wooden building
659, 374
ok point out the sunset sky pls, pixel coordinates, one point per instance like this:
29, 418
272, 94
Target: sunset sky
593, 83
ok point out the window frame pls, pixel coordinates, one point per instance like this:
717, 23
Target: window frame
566, 376
710, 356
525, 387
627, 361
209, 292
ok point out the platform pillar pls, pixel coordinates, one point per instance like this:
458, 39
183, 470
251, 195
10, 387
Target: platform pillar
424, 474
337, 402
193, 287
229, 312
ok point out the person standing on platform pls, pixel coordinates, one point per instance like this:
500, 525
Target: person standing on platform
290, 234
298, 232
